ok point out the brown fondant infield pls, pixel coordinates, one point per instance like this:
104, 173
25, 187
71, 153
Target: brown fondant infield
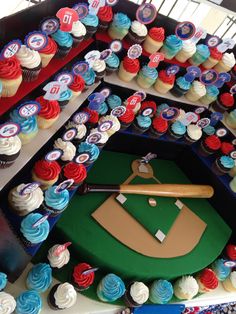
182, 238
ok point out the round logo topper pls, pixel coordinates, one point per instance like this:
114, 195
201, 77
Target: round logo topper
116, 46
94, 138
29, 109
9, 129
36, 40
65, 77
213, 41
53, 155
192, 73
80, 68
82, 158
81, 117
105, 126
40, 221
172, 70
146, 13
209, 77
221, 132
118, 111
142, 94
81, 9
170, 113
92, 56
233, 89
200, 110
105, 92
216, 117
234, 141
190, 117
147, 112
222, 79
185, 30
135, 51
64, 185
105, 54
203, 123
95, 100
132, 101
111, 3
69, 135
10, 49
50, 25
29, 188
233, 154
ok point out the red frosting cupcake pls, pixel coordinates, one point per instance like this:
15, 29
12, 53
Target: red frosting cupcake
126, 119
74, 171
164, 82
77, 86
207, 280
231, 252
48, 52
49, 112
105, 16
148, 105
210, 145
226, 148
159, 127
154, 39
46, 172
10, 76
93, 117
82, 281
224, 102
128, 69
216, 54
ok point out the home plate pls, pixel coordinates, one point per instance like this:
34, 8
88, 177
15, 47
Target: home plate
121, 198
160, 235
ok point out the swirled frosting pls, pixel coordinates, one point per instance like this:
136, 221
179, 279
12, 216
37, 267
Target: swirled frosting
228, 59
39, 277
37, 234
121, 20
232, 277
25, 203
113, 61
188, 286
65, 296
114, 101
189, 47
115, 123
149, 72
80, 128
227, 100
208, 279
216, 54
10, 68
182, 83
89, 77
164, 77
161, 107
231, 251
63, 39
161, 291
199, 88
7, 303
58, 261
10, 146
178, 128
27, 125
212, 91
139, 292
128, 116
157, 33
46, 170
139, 28
111, 288
28, 58
90, 20
68, 149
93, 115
143, 122
148, 104
221, 271
92, 149
78, 83
66, 95
131, 65
209, 130
226, 148
159, 124
78, 29
227, 162
194, 132
28, 302
83, 280
105, 14
49, 109
173, 43
3, 281
99, 65
50, 48
103, 108
213, 142
74, 171
203, 50
57, 201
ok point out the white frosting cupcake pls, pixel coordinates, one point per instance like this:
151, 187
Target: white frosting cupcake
28, 58
65, 296
7, 303
194, 132
104, 136
189, 47
199, 88
139, 29
186, 287
78, 29
58, 261
139, 292
10, 146
115, 124
228, 59
68, 149
81, 129
99, 65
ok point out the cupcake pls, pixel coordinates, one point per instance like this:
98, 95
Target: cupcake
137, 33
211, 95
136, 294
223, 165
48, 52
67, 148
64, 99
221, 271
55, 202
186, 288
181, 87
154, 39
177, 130
3, 281
164, 82
226, 148
92, 150
64, 42
9, 150
105, 16
39, 278
210, 145
226, 63
77, 86
147, 76
224, 102
112, 63
58, 260
161, 107
103, 140
34, 235
49, 112
110, 288
23, 204
8, 303
207, 280
89, 78
136, 107
82, 281
231, 252
126, 119
214, 58
141, 124
193, 134
161, 292
103, 109
172, 45
10, 76
115, 124
187, 51
113, 101
158, 128
81, 131
128, 69
78, 33
46, 173
148, 105
232, 184
181, 115
230, 119
90, 21
28, 126
201, 55
93, 117
74, 171
28, 302
208, 130
229, 283
233, 73
62, 296
30, 62
99, 67
196, 91
119, 27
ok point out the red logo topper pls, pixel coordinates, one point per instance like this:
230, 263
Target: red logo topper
155, 59
61, 248
67, 17
132, 101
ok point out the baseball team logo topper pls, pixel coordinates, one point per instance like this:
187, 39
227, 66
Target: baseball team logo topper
209, 77
10, 49
95, 100
94, 138
9, 129
213, 41
215, 118
172, 70
81, 117
65, 78
192, 73
200, 110
147, 112
67, 17
118, 111
170, 113
221, 132
233, 154
146, 13
54, 90
132, 101
190, 117
142, 94
234, 143
200, 33
111, 3
228, 43
29, 188
50, 25
185, 30
53, 155
233, 89
81, 9
105, 126
105, 92
116, 46
69, 135
134, 51
203, 123
155, 59
80, 68
94, 6
29, 109
82, 158
36, 40
105, 54
61, 248
222, 79
40, 221
64, 185
91, 57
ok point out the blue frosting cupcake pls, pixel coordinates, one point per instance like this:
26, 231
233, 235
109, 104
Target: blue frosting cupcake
34, 235
120, 26
89, 77
161, 292
202, 54
161, 107
55, 202
211, 95
90, 21
172, 45
64, 41
181, 87
3, 281
114, 101
112, 63
223, 165
209, 130
29, 126
177, 129
92, 149
28, 302
141, 124
110, 288
103, 108
65, 98
39, 277
147, 76
221, 271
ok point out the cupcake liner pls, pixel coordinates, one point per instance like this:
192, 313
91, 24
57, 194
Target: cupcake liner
7, 160
124, 75
151, 46
77, 41
75, 285
109, 70
188, 140
177, 91
10, 87
62, 52
46, 58
63, 103
172, 136
30, 75
217, 106
99, 76
124, 126
51, 299
154, 134
218, 169
133, 38
90, 31
204, 151
137, 129
117, 33
27, 242
45, 123
51, 210
103, 26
